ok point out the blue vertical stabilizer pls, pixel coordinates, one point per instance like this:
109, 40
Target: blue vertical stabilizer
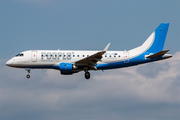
159, 40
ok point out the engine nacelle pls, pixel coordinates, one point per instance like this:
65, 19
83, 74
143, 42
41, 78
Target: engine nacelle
67, 68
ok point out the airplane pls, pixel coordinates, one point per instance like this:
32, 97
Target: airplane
69, 62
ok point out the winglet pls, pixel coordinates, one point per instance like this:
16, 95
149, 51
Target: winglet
106, 48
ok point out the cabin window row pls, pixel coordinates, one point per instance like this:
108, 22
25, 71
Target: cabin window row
83, 55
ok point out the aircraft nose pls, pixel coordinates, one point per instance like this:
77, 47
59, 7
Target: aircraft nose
9, 63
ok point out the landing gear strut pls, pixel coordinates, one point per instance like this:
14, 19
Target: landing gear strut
28, 70
87, 75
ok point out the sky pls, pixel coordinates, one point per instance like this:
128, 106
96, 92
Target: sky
145, 92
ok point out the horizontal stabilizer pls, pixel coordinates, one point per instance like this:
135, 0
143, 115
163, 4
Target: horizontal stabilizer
159, 54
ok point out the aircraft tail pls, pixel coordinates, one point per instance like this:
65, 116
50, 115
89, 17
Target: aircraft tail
155, 42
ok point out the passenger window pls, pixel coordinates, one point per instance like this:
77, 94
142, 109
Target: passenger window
77, 55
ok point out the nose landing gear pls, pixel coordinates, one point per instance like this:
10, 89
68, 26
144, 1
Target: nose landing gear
28, 70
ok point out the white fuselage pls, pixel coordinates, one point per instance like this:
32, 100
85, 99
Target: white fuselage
45, 58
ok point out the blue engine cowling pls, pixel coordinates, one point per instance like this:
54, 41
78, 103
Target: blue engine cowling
66, 68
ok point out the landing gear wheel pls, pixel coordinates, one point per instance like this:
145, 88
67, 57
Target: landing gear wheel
28, 70
87, 75
28, 76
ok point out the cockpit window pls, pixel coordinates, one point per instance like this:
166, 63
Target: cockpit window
19, 55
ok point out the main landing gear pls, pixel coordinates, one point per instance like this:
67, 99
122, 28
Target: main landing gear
28, 70
87, 75
28, 76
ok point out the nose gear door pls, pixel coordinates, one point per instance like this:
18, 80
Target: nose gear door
34, 56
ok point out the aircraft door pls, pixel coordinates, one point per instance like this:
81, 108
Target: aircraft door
126, 57
34, 56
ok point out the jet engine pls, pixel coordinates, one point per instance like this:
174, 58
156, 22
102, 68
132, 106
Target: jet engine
67, 68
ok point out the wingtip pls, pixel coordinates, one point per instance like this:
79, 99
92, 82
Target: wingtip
106, 48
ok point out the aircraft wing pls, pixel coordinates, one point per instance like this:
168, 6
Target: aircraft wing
92, 60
